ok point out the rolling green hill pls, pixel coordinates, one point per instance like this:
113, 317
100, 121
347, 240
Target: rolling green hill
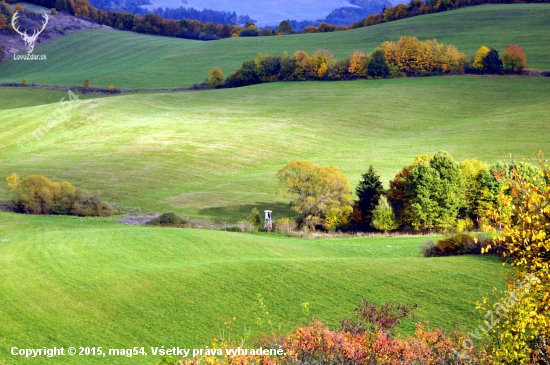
214, 154
68, 281
130, 60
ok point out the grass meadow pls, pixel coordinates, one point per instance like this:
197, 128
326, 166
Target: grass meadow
67, 281
129, 60
214, 154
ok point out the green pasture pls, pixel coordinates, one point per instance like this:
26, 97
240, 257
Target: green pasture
214, 154
125, 60
67, 281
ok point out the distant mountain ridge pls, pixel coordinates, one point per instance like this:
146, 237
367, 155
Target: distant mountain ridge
300, 12
272, 12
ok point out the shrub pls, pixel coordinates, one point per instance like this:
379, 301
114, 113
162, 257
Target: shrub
215, 79
246, 226
37, 194
168, 220
362, 341
285, 225
111, 89
254, 218
453, 245
53, 11
428, 248
249, 32
90, 205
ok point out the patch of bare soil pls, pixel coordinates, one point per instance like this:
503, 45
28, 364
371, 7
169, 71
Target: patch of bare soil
138, 220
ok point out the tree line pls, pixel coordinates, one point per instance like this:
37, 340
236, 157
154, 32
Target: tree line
404, 58
207, 30
433, 193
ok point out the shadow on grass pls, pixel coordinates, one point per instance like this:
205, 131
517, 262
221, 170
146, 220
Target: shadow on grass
235, 213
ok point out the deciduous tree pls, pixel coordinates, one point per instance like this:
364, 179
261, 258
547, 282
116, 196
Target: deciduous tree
514, 58
215, 78
172, 28
358, 63
481, 53
285, 27
522, 333
383, 217
320, 194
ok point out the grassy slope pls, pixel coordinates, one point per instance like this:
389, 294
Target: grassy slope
130, 60
13, 98
86, 282
214, 154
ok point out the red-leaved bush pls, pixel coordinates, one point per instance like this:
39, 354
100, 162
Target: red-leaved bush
366, 340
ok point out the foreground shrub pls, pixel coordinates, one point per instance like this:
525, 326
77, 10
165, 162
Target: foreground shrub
168, 220
316, 343
460, 244
523, 329
37, 194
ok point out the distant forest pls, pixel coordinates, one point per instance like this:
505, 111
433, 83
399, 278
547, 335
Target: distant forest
340, 16
206, 15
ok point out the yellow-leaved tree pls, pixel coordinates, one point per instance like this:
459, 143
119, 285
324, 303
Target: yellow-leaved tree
215, 78
521, 326
357, 63
320, 194
481, 53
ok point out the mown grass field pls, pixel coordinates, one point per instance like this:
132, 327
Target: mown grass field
67, 281
125, 59
214, 154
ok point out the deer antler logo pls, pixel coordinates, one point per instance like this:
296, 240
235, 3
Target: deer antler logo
29, 40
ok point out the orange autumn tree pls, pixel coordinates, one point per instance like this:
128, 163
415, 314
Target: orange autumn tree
522, 332
514, 58
357, 64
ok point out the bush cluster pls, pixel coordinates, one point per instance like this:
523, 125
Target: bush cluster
407, 57
37, 194
432, 194
460, 244
168, 220
368, 339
